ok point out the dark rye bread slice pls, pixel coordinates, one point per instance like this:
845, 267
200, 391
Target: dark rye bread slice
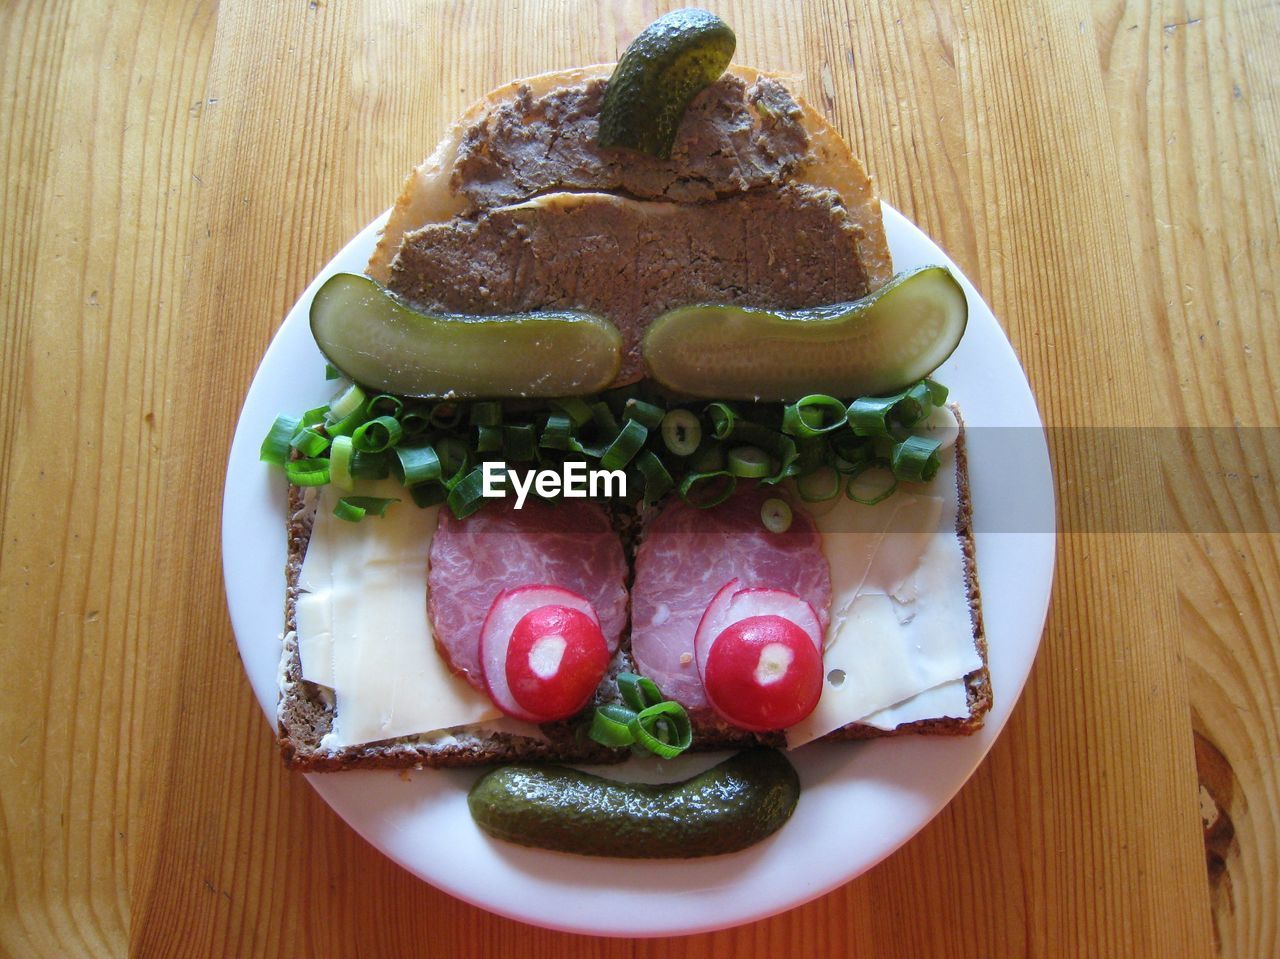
711, 732
306, 710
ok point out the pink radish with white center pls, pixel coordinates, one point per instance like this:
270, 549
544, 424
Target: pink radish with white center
542, 653
759, 653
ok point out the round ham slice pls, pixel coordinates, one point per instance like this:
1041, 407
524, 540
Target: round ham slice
688, 554
571, 545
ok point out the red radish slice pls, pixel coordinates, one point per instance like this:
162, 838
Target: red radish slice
733, 603
555, 661
763, 673
509, 608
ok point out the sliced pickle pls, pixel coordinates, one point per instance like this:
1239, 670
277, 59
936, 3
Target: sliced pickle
380, 341
872, 346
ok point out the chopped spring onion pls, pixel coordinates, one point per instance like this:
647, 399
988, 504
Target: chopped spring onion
314, 416
308, 442
307, 471
638, 692
937, 392
486, 413
275, 446
578, 411
372, 466
331, 372
467, 495
603, 417
722, 419
454, 457
710, 459
347, 425
384, 404
488, 439
558, 432
648, 414
750, 462
663, 729
418, 464
814, 415
657, 481
354, 508
414, 422
871, 484
820, 485
378, 434
623, 449
519, 443
776, 515
428, 494
868, 415
681, 432
347, 402
340, 453
611, 725
705, 490
915, 459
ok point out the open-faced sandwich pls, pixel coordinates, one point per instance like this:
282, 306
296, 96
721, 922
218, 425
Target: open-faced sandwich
644, 422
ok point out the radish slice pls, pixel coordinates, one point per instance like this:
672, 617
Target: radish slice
555, 661
507, 614
765, 674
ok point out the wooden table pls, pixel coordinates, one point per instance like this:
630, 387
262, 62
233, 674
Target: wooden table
174, 173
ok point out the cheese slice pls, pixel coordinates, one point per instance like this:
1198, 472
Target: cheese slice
900, 639
363, 628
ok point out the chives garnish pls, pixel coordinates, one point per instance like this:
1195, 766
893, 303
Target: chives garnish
418, 464
378, 434
663, 729
436, 447
307, 471
637, 691
340, 454
623, 449
275, 445
348, 401
611, 725
466, 496
915, 459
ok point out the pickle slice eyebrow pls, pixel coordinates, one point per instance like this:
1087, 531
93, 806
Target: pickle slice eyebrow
378, 340
869, 347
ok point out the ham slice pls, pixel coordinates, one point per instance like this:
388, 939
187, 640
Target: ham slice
688, 554
570, 544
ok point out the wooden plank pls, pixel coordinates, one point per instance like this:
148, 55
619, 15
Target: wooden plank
98, 120
1196, 117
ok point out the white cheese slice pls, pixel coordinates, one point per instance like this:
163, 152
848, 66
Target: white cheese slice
949, 700
900, 623
367, 583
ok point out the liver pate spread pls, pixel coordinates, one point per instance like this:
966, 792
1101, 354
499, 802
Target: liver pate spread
555, 222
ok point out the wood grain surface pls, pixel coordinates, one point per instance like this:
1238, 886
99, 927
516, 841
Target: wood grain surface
175, 172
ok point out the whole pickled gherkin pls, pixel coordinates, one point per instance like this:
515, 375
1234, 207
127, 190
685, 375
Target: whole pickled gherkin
663, 69
730, 806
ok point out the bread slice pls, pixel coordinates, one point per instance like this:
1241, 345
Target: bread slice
306, 710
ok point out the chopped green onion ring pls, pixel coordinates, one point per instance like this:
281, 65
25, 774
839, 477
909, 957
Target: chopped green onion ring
814, 415
378, 434
486, 413
669, 717
275, 446
418, 464
681, 432
467, 495
348, 401
308, 442
647, 413
722, 419
698, 481
355, 508
657, 481
624, 448
776, 515
307, 471
750, 462
340, 453
915, 459
611, 725
820, 485
557, 433
638, 691
866, 494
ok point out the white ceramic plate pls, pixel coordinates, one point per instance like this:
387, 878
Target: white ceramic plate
859, 802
